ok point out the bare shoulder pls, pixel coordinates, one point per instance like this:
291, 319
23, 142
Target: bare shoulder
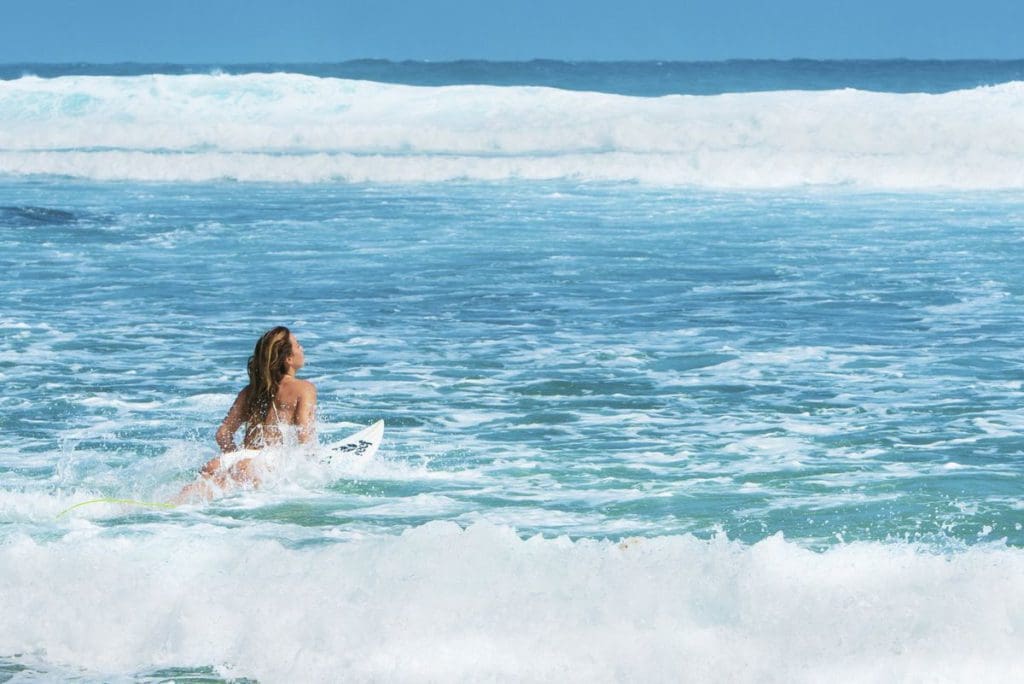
301, 388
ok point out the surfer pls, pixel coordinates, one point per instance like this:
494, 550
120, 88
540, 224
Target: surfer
274, 403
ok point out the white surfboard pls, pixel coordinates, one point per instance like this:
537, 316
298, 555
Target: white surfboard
362, 445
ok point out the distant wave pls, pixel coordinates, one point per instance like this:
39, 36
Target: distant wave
642, 78
289, 127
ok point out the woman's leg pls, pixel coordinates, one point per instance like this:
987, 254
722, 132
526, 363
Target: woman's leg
245, 472
211, 479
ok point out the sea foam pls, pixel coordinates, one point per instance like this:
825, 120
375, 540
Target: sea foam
444, 603
290, 127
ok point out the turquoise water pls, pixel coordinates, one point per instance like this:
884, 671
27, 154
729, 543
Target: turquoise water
596, 361
683, 389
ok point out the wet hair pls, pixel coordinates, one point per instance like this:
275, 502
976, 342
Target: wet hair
267, 365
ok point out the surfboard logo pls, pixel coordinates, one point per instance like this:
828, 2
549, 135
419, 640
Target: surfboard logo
359, 447
362, 444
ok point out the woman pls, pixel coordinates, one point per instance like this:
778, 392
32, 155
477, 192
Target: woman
274, 404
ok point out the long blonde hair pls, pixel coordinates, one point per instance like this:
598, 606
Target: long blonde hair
267, 365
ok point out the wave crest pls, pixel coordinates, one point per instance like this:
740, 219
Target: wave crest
289, 127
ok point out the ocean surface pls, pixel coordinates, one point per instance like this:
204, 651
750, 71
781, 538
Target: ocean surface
690, 371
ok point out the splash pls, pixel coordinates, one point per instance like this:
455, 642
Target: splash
443, 602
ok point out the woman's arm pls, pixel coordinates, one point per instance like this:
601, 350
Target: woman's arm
236, 416
305, 412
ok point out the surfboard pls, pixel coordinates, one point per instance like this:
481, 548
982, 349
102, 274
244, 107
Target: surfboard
362, 445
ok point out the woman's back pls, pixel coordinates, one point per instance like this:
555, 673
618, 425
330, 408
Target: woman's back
274, 397
290, 414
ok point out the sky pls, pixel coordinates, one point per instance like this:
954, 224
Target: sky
238, 31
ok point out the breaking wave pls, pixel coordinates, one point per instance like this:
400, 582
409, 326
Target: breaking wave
291, 127
445, 603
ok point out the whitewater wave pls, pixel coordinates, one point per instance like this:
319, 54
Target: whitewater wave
290, 127
450, 604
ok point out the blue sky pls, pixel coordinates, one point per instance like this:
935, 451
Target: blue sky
222, 31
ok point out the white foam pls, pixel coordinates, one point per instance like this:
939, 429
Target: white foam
26, 505
440, 603
107, 401
289, 127
970, 305
428, 505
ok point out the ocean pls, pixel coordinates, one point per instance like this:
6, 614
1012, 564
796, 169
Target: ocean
690, 371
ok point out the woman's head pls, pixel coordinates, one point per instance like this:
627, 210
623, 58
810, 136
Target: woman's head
276, 355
